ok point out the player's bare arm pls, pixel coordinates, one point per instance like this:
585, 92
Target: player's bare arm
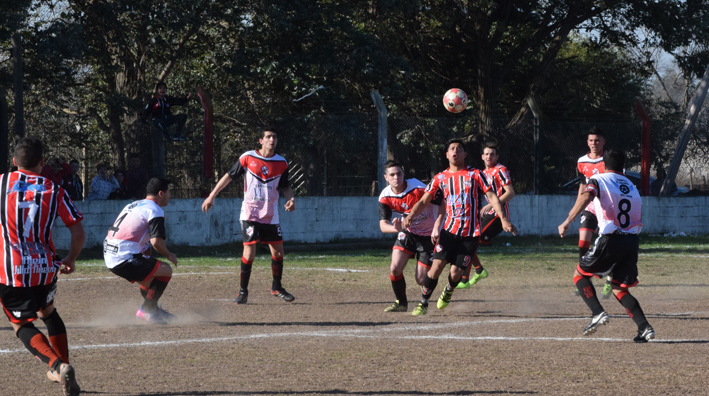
290, 199
417, 209
504, 198
391, 228
440, 217
209, 201
159, 245
78, 237
506, 225
581, 202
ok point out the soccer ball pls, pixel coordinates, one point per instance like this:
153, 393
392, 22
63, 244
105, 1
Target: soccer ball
455, 100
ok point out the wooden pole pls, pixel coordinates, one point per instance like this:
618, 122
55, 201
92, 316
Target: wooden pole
689, 122
382, 138
19, 93
645, 157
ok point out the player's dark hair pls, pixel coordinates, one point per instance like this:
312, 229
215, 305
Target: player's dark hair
268, 129
490, 145
596, 131
160, 84
614, 160
29, 152
391, 164
456, 140
157, 184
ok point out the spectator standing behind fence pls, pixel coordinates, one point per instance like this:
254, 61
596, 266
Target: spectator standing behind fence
102, 185
72, 182
159, 109
120, 192
56, 169
136, 178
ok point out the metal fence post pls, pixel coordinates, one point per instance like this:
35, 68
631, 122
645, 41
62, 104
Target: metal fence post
382, 138
537, 146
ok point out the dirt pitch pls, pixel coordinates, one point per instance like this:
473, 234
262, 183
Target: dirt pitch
516, 332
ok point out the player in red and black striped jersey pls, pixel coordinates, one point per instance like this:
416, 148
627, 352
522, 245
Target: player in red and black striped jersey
265, 173
400, 196
458, 241
29, 265
490, 223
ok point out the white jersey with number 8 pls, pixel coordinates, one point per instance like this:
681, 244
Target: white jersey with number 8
617, 202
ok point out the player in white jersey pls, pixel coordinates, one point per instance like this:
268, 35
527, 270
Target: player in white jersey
265, 173
618, 207
126, 249
416, 242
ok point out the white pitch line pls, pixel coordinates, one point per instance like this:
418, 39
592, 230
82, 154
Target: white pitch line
372, 334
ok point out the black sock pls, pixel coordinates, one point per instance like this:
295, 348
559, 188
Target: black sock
632, 307
245, 274
57, 335
38, 345
399, 286
429, 285
277, 269
451, 283
588, 294
154, 292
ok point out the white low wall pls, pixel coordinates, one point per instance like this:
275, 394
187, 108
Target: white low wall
328, 219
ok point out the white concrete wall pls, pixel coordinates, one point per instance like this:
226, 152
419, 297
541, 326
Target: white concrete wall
327, 219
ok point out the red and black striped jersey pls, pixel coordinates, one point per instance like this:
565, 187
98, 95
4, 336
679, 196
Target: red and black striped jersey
498, 177
263, 177
460, 192
402, 202
588, 167
29, 206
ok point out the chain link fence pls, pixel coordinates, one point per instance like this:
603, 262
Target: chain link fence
336, 155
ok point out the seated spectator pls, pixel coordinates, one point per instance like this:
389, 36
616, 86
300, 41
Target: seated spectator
102, 185
72, 182
56, 169
136, 178
121, 192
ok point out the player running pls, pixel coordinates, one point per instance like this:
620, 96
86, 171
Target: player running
400, 196
127, 253
587, 166
29, 264
458, 241
490, 223
618, 205
264, 173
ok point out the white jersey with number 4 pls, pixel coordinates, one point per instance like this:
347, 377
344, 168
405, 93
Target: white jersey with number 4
617, 201
131, 232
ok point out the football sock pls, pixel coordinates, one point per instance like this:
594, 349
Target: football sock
429, 285
245, 273
584, 246
277, 269
154, 292
38, 345
451, 283
632, 307
57, 335
476, 263
398, 283
588, 294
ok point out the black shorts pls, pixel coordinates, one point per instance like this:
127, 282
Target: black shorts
456, 250
253, 232
22, 303
490, 226
137, 269
416, 245
613, 253
589, 222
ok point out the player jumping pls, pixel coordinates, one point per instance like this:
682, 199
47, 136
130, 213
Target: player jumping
458, 241
417, 241
264, 173
618, 206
